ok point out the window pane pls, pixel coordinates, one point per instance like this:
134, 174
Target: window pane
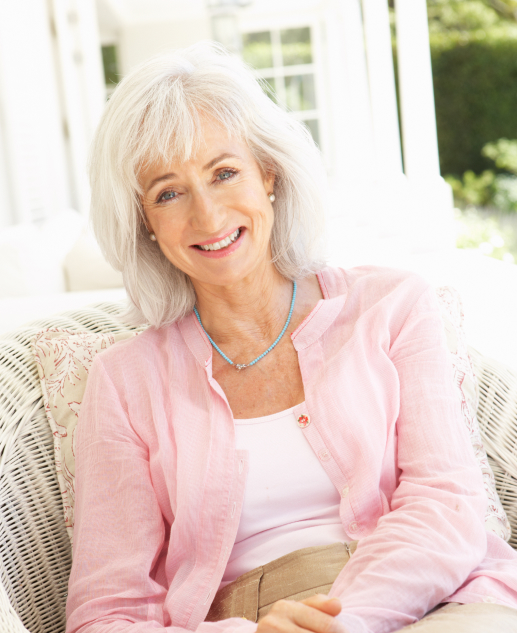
296, 46
109, 61
314, 129
256, 49
268, 86
299, 90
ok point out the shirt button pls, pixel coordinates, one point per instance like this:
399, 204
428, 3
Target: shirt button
303, 421
345, 491
353, 527
489, 599
324, 455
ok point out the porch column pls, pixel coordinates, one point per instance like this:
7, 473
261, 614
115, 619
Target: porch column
82, 85
416, 90
381, 79
34, 177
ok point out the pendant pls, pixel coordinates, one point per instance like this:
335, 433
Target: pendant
239, 367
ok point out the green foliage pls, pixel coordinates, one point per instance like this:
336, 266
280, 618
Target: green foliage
505, 197
460, 15
504, 153
474, 58
486, 232
490, 189
472, 189
475, 82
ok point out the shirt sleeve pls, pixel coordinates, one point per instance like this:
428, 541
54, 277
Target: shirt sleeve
119, 532
424, 548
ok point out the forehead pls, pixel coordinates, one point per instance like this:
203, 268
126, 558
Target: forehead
212, 140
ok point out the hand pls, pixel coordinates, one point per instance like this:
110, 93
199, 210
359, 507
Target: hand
315, 614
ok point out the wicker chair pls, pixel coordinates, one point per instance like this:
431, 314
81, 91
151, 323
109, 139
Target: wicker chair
35, 549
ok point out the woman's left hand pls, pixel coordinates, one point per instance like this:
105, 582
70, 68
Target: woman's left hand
330, 606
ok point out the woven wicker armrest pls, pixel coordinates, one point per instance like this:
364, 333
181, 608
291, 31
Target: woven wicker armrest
497, 417
9, 620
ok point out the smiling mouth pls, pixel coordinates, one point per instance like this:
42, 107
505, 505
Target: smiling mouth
217, 246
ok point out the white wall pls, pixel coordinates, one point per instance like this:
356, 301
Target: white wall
139, 41
6, 205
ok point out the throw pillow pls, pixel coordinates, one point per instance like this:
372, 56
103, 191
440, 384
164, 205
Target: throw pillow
64, 359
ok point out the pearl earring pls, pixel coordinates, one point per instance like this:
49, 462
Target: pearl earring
152, 237
272, 197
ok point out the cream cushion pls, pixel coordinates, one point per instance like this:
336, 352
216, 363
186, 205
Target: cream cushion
86, 269
64, 358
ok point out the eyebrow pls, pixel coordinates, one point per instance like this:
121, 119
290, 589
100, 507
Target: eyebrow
208, 166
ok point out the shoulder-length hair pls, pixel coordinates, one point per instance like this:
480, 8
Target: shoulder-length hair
153, 115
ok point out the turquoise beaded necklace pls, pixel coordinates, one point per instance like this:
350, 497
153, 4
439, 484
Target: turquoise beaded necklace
237, 366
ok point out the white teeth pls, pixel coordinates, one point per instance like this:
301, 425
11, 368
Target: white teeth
222, 243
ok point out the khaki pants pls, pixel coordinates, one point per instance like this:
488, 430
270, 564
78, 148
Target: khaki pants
313, 570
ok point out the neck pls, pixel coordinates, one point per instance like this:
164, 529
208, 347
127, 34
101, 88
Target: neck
252, 310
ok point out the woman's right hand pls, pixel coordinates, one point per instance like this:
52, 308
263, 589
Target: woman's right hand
315, 614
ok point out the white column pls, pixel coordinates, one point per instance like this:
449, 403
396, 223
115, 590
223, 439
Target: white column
349, 97
32, 126
91, 69
382, 86
82, 85
416, 90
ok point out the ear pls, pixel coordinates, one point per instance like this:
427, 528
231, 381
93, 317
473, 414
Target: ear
143, 216
269, 182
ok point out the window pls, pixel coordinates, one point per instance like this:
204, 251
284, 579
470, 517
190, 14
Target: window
110, 63
284, 58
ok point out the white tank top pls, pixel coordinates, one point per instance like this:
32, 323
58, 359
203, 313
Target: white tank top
289, 501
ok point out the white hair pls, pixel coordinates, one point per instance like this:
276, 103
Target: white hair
153, 115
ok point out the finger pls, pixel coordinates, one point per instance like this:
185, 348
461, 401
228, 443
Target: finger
332, 606
314, 619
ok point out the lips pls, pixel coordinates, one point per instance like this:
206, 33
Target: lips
221, 243
221, 247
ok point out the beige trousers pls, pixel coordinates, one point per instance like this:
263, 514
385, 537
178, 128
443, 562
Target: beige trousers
313, 570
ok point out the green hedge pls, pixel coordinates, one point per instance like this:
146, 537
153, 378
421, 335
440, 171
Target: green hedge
475, 82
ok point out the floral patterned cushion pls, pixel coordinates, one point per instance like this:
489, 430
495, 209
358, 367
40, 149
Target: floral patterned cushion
466, 383
65, 357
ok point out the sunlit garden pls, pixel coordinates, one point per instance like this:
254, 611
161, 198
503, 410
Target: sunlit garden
474, 57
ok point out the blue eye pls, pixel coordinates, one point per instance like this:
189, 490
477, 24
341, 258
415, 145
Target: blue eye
225, 175
168, 195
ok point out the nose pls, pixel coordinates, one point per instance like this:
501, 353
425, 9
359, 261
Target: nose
207, 215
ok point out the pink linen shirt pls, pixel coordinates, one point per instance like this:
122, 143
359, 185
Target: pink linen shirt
160, 484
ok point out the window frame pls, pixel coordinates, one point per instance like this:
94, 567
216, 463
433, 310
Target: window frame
279, 71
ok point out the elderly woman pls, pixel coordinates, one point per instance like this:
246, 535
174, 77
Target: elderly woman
282, 449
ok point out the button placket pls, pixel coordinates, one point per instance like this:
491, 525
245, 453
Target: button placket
324, 455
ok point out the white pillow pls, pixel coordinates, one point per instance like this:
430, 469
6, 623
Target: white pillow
31, 256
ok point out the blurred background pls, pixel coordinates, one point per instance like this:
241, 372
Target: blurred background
412, 103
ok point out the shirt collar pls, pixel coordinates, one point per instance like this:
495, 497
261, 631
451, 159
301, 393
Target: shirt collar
196, 340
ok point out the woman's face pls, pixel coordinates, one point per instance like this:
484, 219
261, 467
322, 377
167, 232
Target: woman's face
211, 215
